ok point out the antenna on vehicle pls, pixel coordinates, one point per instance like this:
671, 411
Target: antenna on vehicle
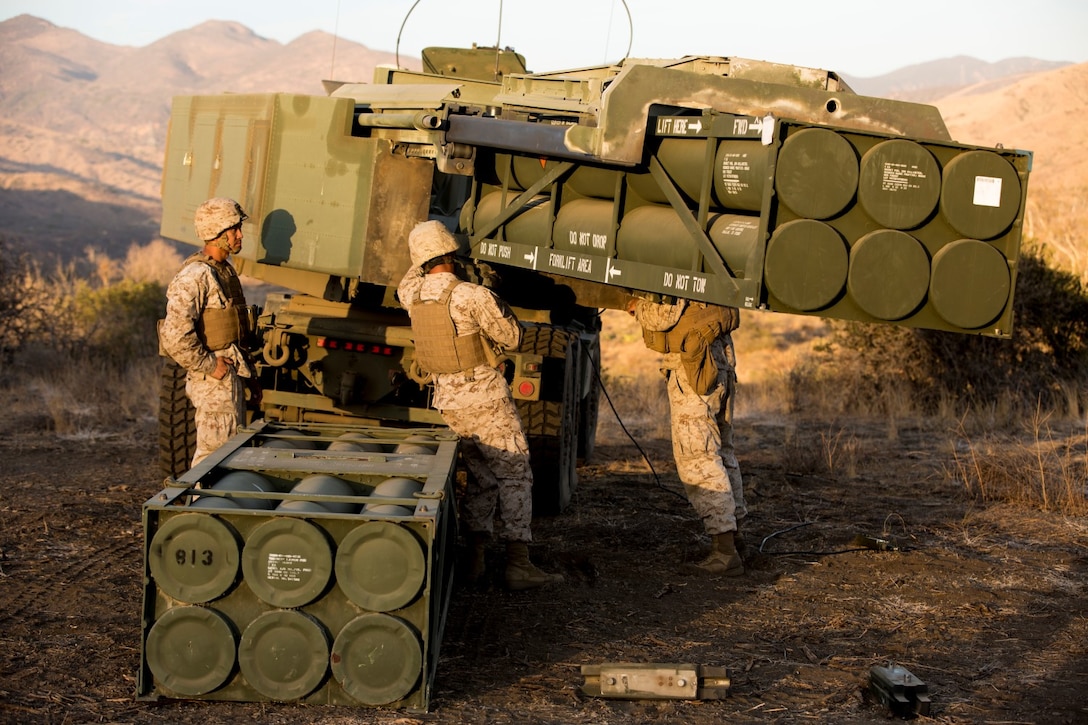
335, 35
630, 32
402, 24
498, 37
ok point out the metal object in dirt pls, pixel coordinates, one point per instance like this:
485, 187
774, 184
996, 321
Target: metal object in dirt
903, 693
642, 681
876, 544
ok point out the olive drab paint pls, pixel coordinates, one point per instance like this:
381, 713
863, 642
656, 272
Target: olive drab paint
629, 191
741, 183
267, 578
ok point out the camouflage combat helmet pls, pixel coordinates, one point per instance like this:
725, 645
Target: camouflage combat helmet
216, 216
428, 240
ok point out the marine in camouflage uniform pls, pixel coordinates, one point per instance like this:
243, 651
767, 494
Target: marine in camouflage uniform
699, 365
473, 397
205, 324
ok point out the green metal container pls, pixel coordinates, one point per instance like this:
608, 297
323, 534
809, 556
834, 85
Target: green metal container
889, 274
584, 226
971, 283
980, 197
531, 225
817, 173
807, 263
643, 229
301, 603
899, 184
740, 172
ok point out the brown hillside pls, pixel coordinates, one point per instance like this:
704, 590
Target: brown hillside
85, 119
933, 80
1043, 113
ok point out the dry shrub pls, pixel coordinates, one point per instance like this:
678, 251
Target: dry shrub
157, 261
86, 340
868, 369
117, 323
103, 319
83, 336
24, 304
858, 370
634, 405
94, 401
1054, 213
1049, 473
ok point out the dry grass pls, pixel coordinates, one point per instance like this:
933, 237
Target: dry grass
1046, 470
84, 366
840, 451
636, 405
769, 347
994, 458
1055, 214
785, 373
87, 402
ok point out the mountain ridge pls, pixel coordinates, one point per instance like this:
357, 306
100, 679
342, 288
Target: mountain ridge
82, 119
932, 80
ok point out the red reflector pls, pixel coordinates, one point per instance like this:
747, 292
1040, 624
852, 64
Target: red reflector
533, 367
526, 388
372, 348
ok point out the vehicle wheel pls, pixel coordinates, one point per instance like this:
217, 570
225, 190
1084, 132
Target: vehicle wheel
551, 423
177, 422
590, 403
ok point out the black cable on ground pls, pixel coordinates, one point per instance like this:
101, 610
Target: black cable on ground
861, 543
657, 479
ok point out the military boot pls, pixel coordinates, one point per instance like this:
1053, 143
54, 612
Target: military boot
520, 572
723, 558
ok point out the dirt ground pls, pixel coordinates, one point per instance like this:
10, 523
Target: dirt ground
985, 605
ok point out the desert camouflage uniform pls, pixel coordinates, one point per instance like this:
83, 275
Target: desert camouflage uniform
477, 405
220, 404
702, 426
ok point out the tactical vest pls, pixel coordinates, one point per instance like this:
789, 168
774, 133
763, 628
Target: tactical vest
691, 337
220, 328
439, 349
706, 322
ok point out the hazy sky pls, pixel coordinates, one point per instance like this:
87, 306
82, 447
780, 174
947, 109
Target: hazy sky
861, 38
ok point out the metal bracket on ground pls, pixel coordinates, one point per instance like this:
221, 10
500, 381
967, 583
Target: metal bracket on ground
903, 693
640, 681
